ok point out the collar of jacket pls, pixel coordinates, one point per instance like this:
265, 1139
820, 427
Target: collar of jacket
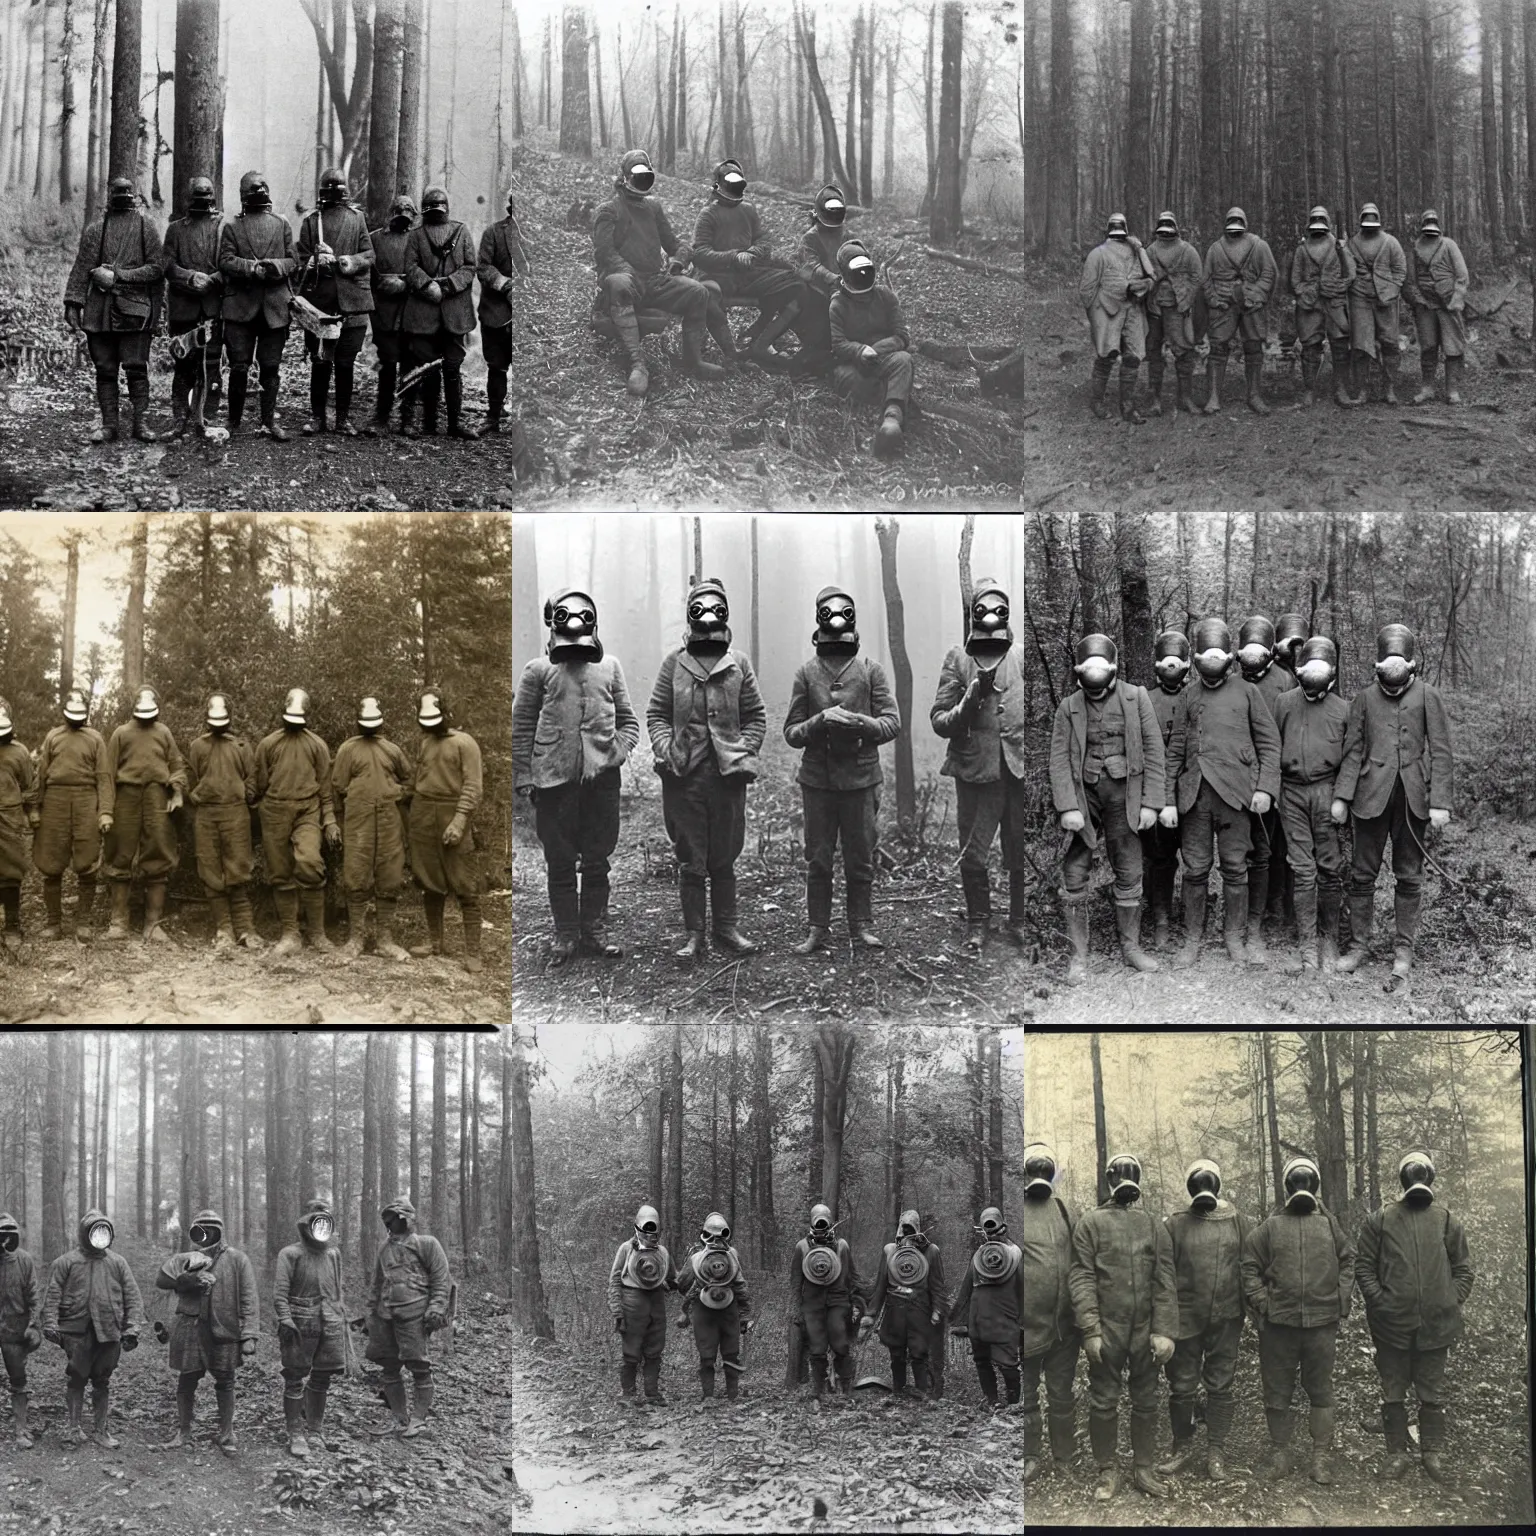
1225, 1211
830, 668
703, 670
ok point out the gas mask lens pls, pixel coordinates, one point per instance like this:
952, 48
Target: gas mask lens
835, 618
395, 1224
1394, 672
642, 178
1096, 675
205, 1237
100, 1236
707, 615
1172, 668
9, 1242
576, 620
321, 1228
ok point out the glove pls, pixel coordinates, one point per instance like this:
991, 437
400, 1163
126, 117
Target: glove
1094, 1349
74, 316
1147, 820
743, 258
104, 822
325, 261
332, 835
1439, 820
618, 1323
392, 283
287, 1333
1168, 816
433, 1321
1162, 1348
933, 1318
972, 694
1260, 803
453, 833
433, 293
1072, 821
868, 356
104, 278
248, 1348
1339, 811
173, 800
130, 1341
839, 716
674, 266
199, 282
32, 1339
34, 818
53, 1336
263, 271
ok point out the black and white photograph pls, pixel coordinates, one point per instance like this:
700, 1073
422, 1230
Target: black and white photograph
1278, 1278
254, 769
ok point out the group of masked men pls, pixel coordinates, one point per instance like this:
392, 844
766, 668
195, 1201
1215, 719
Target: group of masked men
1140, 298
829, 1304
90, 1306
1134, 1293
92, 801
1258, 763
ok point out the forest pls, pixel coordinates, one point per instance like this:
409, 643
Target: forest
1354, 1101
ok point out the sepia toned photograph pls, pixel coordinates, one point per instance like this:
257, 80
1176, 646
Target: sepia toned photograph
1278, 1277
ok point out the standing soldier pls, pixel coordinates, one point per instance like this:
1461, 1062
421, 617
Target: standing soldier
1311, 721
707, 722
1116, 280
441, 827
217, 1323
1396, 780
148, 780
1223, 765
1240, 275
841, 712
256, 256
979, 710
501, 254
1266, 854
638, 1283
1437, 291
337, 256
369, 779
990, 1306
195, 286
1160, 844
714, 1290
1380, 272
389, 336
1208, 1240
1107, 783
15, 791
408, 1303
1049, 1339
293, 788
871, 346
1415, 1273
1298, 1274
910, 1300
113, 295
311, 1321
1176, 283
20, 1334
1126, 1302
440, 310
1321, 273
826, 1300
221, 785
93, 1311
71, 787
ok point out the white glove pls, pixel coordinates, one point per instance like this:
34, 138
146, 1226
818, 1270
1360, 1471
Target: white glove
1260, 803
1339, 811
1147, 820
1439, 819
1072, 821
1168, 816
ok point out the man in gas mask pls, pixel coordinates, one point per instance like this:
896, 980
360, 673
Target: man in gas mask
1223, 764
1207, 1239
841, 712
820, 277
371, 780
501, 255
449, 784
871, 347
1321, 273
337, 258
1290, 633
638, 1283
1107, 784
978, 709
826, 1300
1311, 721
707, 721
389, 336
1266, 853
1436, 288
1298, 1277
1240, 276
221, 779
715, 1299
148, 778
15, 791
1396, 780
216, 1325
1177, 276
68, 791
113, 295
407, 1304
1381, 269
20, 1333
440, 308
293, 789
1160, 844
639, 266
195, 298
910, 1300
93, 1311
311, 1317
1415, 1273
573, 728
257, 258
990, 1306
1049, 1337
1125, 1298
1116, 281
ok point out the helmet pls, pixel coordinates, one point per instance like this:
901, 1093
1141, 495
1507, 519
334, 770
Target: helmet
989, 638
1097, 663
1237, 222
1039, 1171
432, 709
1317, 666
1318, 222
1213, 651
207, 1229
403, 207
121, 196
1290, 630
1167, 225
992, 1224
716, 1229
1429, 222
636, 174
1370, 217
1302, 1184
1117, 228
1203, 1181
910, 1225
821, 1264
5, 721
200, 195
708, 616
255, 194
333, 188
837, 629
146, 704
1256, 647
434, 205
856, 266
1416, 1172
76, 706
730, 181
296, 707
821, 1221
1123, 1173
831, 207
1395, 663
1170, 660
216, 714
570, 615
647, 1226
369, 716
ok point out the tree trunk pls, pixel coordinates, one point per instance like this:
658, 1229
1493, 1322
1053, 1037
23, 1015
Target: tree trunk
525, 1280
995, 1159
368, 1210
1210, 109
67, 105
94, 180
389, 1121
156, 1101
945, 221
888, 163
1428, 147
1138, 140
82, 1162
437, 1200
756, 616
464, 1232
1100, 1133
834, 1050
384, 127
762, 1152
415, 1129
408, 141
1357, 1117
1135, 598
896, 1154
656, 1193
477, 1177
138, 1183
199, 106
732, 1095
1372, 1145
55, 1132
1062, 174
887, 531
1276, 1162
127, 65
133, 616
815, 1190
1493, 224
677, 1227
597, 69
833, 168
575, 92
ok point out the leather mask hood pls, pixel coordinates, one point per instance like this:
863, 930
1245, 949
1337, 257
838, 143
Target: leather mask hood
570, 616
836, 632
93, 1218
989, 635
401, 1206
707, 638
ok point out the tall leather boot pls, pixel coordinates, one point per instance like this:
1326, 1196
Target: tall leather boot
313, 898
977, 888
117, 926
1258, 896
385, 944
74, 1401
186, 1401
154, 911
818, 1376
422, 1406
1215, 373
495, 401
181, 398
1062, 1427
920, 1378
1155, 386
395, 1401
239, 384
1322, 1443
242, 918
1184, 372
1455, 367
223, 923
1144, 1453
1128, 922
628, 1371
693, 351
1361, 915
108, 402
1012, 1384
269, 382
344, 385
1234, 921
1432, 1440
293, 1419
1310, 363
889, 442
469, 915
986, 1375
861, 915
101, 1416
319, 393
1390, 362
138, 403
1075, 917
288, 915
314, 1414
1128, 411
1361, 366
761, 351
1427, 360
706, 1379
1096, 389
224, 1438
652, 1374
85, 908
378, 424
627, 327
1281, 1427
453, 399
1253, 374
1018, 888
357, 928
1182, 1413
1329, 900
726, 935
53, 904
718, 323
1196, 896
19, 1402
1405, 909
843, 1365
408, 404
691, 895
1306, 927
1103, 1432
430, 388
1394, 1420
898, 1373
1338, 351
432, 908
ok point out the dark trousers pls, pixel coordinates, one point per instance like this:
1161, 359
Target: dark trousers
1104, 1380
354, 331
196, 380
1210, 817
1208, 1358
772, 291
1106, 808
578, 824
68, 836
447, 380
1058, 1365
90, 1359
496, 345
111, 350
852, 815
1423, 1369
1284, 1352
706, 817
1407, 832
661, 290
827, 1324
392, 350
14, 1358
142, 831
244, 340
1261, 837
888, 378
1312, 837
981, 810
1160, 864
221, 836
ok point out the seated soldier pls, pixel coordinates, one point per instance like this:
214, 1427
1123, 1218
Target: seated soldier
818, 255
870, 344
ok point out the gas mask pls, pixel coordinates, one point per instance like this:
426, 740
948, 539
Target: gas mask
837, 631
988, 638
571, 618
1117, 228
217, 714
1123, 1175
1416, 1172
1204, 1185
99, 1236
831, 208
146, 706
255, 196
1097, 664
1255, 661
1167, 226
76, 708
647, 1227
321, 1228
396, 1223
296, 709
709, 614
1395, 671
200, 196
635, 174
1318, 667
206, 1235
1256, 647
821, 1224
730, 181
9, 1242
909, 1230
432, 711
121, 198
992, 1228
402, 214
715, 1232
1213, 665
856, 268
1039, 1171
1290, 632
5, 722
1303, 1186
333, 189
1170, 660
434, 205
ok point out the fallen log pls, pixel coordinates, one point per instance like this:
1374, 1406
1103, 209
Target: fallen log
967, 415
1008, 377
1013, 274
961, 355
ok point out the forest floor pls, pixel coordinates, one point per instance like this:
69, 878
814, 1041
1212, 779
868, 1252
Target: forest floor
1476, 961
185, 983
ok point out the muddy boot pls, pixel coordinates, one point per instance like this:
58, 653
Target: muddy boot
1234, 921
1077, 937
1432, 1441
399, 1411
319, 390
1128, 411
288, 915
1406, 911
186, 1398
108, 401
1128, 922
1394, 1417
1306, 928
1361, 915
1253, 375
1097, 387
818, 1376
693, 352
1103, 1431
453, 404
432, 909
117, 926
1183, 1416
154, 912
1328, 903
596, 938
242, 918
85, 909
10, 905
761, 351
223, 922
1155, 388
978, 909
293, 1419
1339, 353
814, 941
1253, 934
627, 327
313, 901
239, 387
1321, 1422
269, 384
628, 1370
1215, 373
1018, 888
1310, 363
724, 931
417, 1423
691, 893
53, 904
19, 1402
314, 1416
385, 945
1455, 367
101, 1415
1196, 898
74, 1402
888, 443
178, 416
1389, 366
718, 324
652, 1374
224, 1437
1426, 390
357, 926
1184, 372
344, 384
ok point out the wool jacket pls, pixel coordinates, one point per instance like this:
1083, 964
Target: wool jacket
1381, 269
449, 767
20, 1297
1176, 272
192, 246
1299, 1270
618, 1280
245, 240
571, 720
927, 1296
1226, 736
1437, 274
1274, 684
15, 776
72, 757
1045, 1272
806, 1295
1321, 272
818, 256
1112, 278
860, 320
1122, 1280
1143, 754
1163, 704
306, 1287
1415, 1273
988, 733
369, 771
1384, 738
992, 1314
129, 244
232, 1307
722, 230
221, 770
1207, 1266
1240, 273
410, 1275
835, 757
701, 704
1311, 736
441, 254
91, 1289
632, 234
142, 754
501, 254
295, 765
388, 278
347, 289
